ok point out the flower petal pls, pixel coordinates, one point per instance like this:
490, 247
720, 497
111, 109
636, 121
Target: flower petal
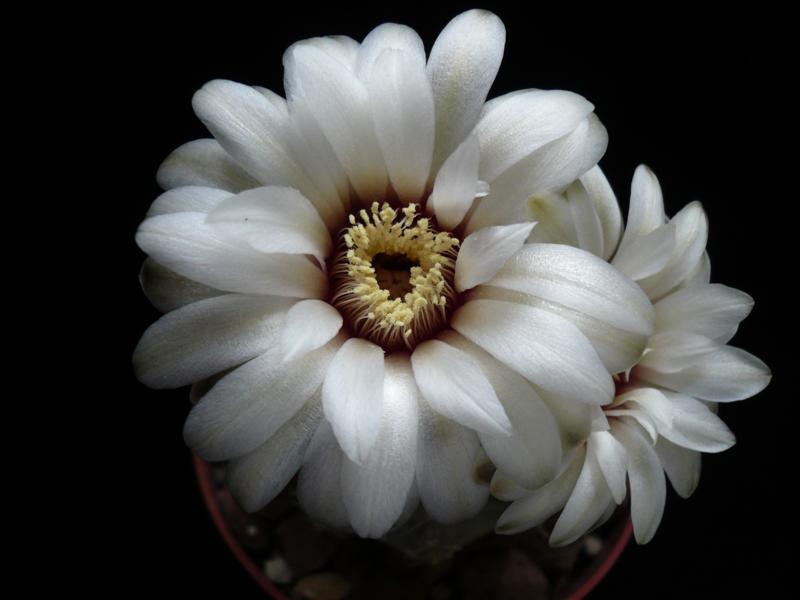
206, 337
536, 508
249, 405
713, 311
515, 125
319, 485
646, 476
606, 206
310, 324
376, 491
256, 478
402, 110
388, 36
646, 210
190, 198
352, 397
681, 465
588, 228
544, 348
648, 254
273, 219
446, 454
183, 243
612, 460
483, 253
454, 385
456, 184
695, 426
554, 222
167, 290
203, 162
506, 489
462, 66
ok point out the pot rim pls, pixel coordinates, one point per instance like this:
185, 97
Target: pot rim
588, 578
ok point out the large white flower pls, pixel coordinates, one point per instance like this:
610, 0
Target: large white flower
315, 258
664, 412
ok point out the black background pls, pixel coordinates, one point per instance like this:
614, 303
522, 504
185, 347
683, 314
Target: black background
707, 96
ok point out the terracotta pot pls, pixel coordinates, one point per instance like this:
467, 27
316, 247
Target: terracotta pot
584, 581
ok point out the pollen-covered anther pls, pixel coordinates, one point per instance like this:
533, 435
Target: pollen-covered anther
393, 275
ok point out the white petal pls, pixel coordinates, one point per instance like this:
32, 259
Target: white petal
462, 66
352, 396
701, 275
167, 290
606, 206
695, 426
375, 492
637, 416
203, 162
402, 109
319, 485
388, 36
554, 222
648, 254
588, 228
532, 453
506, 489
691, 234
253, 130
191, 198
543, 503
183, 243
646, 476
586, 505
246, 407
274, 219
550, 169
483, 253
713, 311
612, 460
454, 385
681, 465
515, 125
651, 401
446, 454
256, 478
310, 324
340, 104
542, 347
646, 210
456, 184
574, 418
206, 337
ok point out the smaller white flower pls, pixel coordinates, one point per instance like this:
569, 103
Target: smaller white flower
664, 412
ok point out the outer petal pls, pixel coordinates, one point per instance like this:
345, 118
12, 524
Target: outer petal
206, 337
319, 486
310, 324
167, 290
588, 228
191, 198
256, 478
454, 385
550, 169
648, 254
462, 66
388, 36
446, 454
483, 253
695, 426
646, 476
206, 163
554, 220
515, 125
456, 184
542, 347
183, 243
612, 460
352, 396
248, 406
606, 206
506, 489
274, 219
375, 492
539, 506
646, 210
713, 310
681, 465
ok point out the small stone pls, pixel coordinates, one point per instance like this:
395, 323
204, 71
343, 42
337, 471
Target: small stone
593, 545
322, 586
278, 570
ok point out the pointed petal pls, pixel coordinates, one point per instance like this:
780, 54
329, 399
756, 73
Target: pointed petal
206, 337
462, 66
607, 208
695, 426
681, 465
246, 407
483, 253
454, 385
376, 491
352, 396
648, 254
319, 486
456, 184
542, 347
203, 162
588, 228
167, 290
310, 324
612, 460
646, 210
191, 198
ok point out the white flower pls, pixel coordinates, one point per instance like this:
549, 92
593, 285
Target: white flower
348, 336
664, 412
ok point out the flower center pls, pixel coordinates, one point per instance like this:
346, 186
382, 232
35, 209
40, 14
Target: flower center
393, 276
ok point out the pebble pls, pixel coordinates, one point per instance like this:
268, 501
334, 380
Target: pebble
278, 570
322, 586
